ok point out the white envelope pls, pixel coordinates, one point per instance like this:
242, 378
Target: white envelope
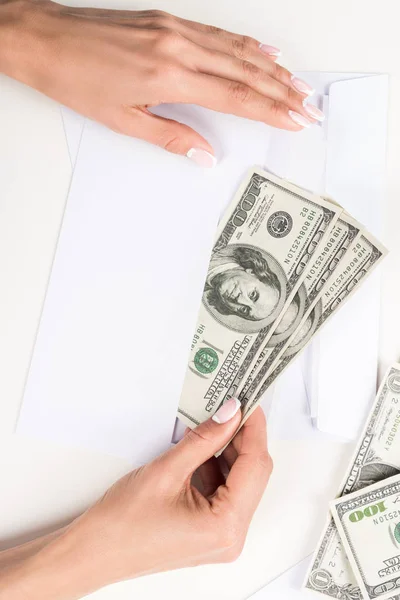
333, 158
32, 200
344, 158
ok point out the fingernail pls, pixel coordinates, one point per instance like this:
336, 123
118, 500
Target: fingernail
270, 50
299, 119
202, 158
227, 411
314, 112
301, 86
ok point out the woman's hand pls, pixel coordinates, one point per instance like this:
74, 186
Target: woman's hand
154, 519
113, 65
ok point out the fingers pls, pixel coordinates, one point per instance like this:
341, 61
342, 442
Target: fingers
251, 470
239, 99
241, 46
203, 442
172, 136
249, 54
245, 72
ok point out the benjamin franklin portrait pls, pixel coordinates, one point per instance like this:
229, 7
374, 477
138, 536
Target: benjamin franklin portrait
245, 288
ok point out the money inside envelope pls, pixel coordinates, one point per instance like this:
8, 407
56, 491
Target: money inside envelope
284, 260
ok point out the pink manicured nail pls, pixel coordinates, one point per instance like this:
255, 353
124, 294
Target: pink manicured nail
301, 86
314, 112
202, 158
227, 411
299, 119
270, 50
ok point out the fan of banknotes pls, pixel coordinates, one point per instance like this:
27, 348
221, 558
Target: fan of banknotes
358, 555
283, 261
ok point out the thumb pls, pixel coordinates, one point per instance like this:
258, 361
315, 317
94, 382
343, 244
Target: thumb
204, 441
172, 136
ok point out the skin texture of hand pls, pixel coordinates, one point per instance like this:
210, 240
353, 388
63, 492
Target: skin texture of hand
113, 66
153, 519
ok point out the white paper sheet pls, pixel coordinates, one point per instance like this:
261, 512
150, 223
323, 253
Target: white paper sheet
34, 176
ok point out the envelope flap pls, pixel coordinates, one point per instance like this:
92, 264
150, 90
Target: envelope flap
356, 146
355, 170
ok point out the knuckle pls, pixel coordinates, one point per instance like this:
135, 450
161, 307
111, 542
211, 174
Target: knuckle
281, 73
228, 540
200, 434
240, 49
283, 94
239, 92
233, 553
294, 98
168, 40
247, 41
276, 109
251, 71
172, 144
158, 14
265, 463
214, 30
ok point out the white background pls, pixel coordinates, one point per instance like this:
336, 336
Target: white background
42, 484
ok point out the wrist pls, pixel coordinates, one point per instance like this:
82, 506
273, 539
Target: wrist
51, 568
26, 40
73, 563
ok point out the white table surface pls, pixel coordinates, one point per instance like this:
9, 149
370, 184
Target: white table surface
44, 484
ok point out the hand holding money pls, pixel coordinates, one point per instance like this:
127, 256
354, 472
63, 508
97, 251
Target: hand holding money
152, 520
283, 262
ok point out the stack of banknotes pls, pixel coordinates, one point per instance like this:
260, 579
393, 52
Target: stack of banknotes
283, 261
358, 555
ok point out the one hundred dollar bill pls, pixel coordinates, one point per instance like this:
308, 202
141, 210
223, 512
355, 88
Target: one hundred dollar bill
361, 257
377, 457
263, 246
368, 522
325, 261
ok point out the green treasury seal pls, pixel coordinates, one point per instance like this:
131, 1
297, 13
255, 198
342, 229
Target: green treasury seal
206, 360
